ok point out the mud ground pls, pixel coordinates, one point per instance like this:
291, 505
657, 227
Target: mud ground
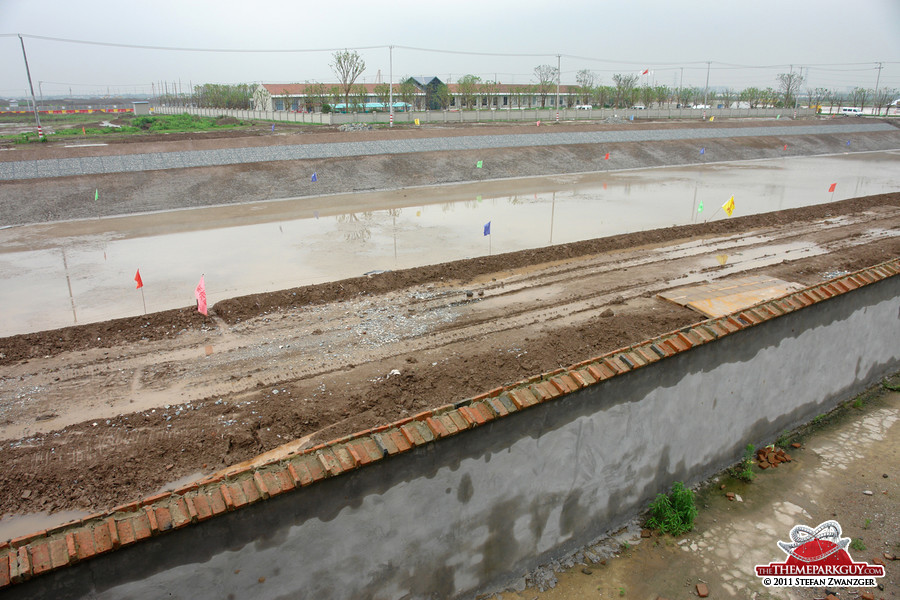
97, 415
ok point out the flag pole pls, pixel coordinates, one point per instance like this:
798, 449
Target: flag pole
490, 244
143, 300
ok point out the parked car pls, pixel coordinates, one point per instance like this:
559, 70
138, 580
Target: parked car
851, 111
639, 107
583, 107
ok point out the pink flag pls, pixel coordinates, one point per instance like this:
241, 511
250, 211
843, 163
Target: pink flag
832, 187
138, 281
200, 292
645, 71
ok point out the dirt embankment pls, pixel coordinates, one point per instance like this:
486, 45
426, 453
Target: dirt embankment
100, 414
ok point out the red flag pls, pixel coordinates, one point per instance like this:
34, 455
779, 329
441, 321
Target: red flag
832, 187
645, 71
606, 157
83, 131
137, 280
200, 292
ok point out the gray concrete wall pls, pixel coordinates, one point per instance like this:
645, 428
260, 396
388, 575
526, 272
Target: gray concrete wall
471, 512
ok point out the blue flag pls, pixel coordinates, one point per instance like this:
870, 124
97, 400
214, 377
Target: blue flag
848, 142
314, 178
273, 126
702, 150
487, 228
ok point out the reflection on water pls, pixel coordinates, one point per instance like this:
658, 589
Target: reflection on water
59, 274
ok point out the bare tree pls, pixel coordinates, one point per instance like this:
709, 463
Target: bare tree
859, 96
547, 77
789, 84
883, 98
624, 85
490, 90
585, 80
347, 66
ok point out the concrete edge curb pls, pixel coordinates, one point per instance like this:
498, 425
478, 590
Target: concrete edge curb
37, 553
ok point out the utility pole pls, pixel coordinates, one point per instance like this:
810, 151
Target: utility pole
706, 91
875, 95
680, 84
558, 76
391, 83
37, 118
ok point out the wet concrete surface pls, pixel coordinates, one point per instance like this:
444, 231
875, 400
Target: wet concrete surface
58, 274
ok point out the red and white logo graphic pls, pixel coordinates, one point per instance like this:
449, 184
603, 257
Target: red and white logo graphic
818, 558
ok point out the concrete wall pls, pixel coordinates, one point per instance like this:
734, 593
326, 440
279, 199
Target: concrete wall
546, 115
473, 511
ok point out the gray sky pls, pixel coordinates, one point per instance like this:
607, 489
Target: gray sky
607, 37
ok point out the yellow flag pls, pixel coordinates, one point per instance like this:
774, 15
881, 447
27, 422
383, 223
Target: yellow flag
728, 207
417, 121
712, 119
722, 258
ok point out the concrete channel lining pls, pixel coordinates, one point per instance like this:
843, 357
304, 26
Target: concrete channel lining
206, 520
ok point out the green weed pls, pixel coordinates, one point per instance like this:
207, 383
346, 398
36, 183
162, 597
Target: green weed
673, 513
857, 544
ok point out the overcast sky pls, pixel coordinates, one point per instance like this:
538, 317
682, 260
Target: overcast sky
665, 36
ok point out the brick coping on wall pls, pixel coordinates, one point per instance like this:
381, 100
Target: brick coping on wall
27, 556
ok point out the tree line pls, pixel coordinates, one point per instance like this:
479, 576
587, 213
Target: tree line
625, 91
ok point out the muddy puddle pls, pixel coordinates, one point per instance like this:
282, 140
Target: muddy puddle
59, 274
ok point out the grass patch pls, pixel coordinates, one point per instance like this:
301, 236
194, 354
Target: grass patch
857, 544
744, 469
673, 513
130, 125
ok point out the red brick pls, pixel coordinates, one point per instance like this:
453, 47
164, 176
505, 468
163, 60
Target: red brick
840, 287
315, 468
495, 392
412, 435
485, 411
470, 419
615, 366
157, 498
636, 358
524, 397
84, 541
483, 396
437, 427
549, 389
142, 527
227, 497
586, 378
236, 490
202, 505
181, 514
261, 488
471, 413
71, 547
126, 531
704, 335
344, 458
400, 440
558, 384
130, 507
717, 329
685, 340
596, 373
164, 518
458, 420
537, 390
423, 430
24, 563
679, 344
59, 555
570, 382
4, 569
113, 532
499, 407
368, 445
329, 462
694, 337
284, 478
251, 492
40, 557
448, 423
647, 354
360, 456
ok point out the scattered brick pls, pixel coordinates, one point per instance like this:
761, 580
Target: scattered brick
702, 590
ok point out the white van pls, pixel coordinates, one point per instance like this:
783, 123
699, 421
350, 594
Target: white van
584, 107
851, 111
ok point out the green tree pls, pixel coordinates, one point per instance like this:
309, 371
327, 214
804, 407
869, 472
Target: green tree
727, 96
442, 95
348, 66
408, 92
468, 86
751, 96
358, 96
547, 78
489, 90
382, 94
337, 94
647, 95
662, 93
